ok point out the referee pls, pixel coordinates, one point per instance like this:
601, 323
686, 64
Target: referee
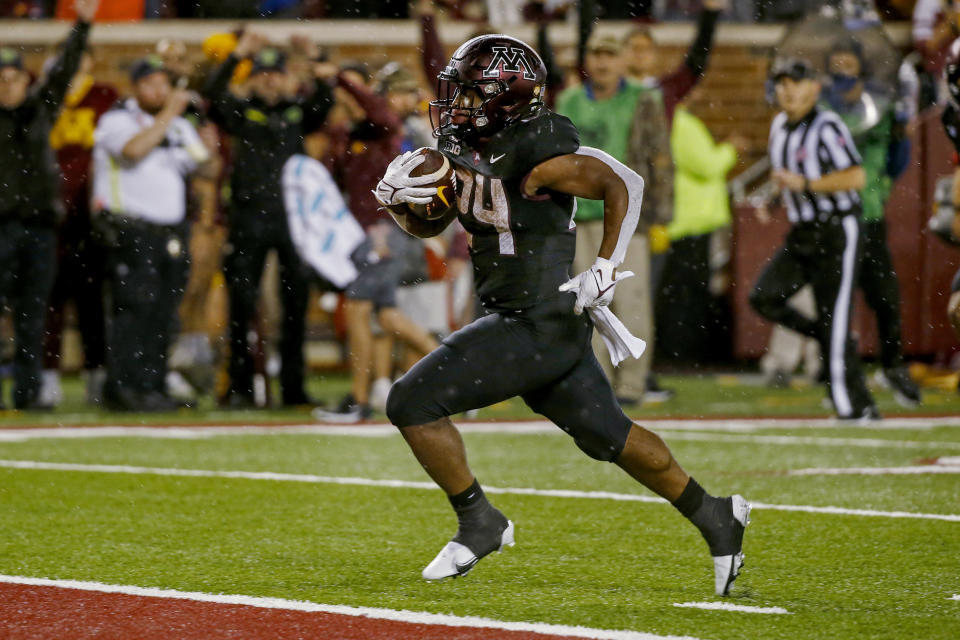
817, 167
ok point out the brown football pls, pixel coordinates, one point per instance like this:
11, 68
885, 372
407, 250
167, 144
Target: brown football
438, 166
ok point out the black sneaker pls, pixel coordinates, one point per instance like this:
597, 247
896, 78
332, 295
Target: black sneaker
467, 548
897, 379
236, 400
868, 414
654, 393
348, 412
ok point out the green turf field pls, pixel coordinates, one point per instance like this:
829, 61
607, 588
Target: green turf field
582, 561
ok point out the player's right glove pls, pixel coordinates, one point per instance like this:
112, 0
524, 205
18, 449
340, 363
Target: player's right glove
594, 287
397, 185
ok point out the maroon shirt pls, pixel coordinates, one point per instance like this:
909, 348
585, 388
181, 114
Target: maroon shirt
360, 154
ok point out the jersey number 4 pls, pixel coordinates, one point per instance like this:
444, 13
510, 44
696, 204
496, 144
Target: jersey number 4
485, 199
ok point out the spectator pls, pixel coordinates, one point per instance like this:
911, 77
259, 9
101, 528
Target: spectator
875, 141
143, 153
30, 206
362, 149
610, 111
267, 129
684, 313
80, 265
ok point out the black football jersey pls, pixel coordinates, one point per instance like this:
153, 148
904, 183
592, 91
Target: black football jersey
951, 124
522, 247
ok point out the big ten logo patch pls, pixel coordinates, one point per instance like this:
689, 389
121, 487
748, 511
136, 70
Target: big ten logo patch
74, 127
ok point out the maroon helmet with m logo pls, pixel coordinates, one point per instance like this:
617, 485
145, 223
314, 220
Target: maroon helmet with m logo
490, 82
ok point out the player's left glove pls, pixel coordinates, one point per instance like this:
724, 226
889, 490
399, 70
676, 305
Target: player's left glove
594, 287
397, 185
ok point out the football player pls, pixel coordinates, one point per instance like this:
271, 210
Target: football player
951, 124
519, 168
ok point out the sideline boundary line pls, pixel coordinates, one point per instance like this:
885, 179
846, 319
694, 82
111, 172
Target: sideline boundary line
406, 484
413, 617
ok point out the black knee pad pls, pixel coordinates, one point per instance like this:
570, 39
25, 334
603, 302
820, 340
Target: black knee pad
408, 404
605, 447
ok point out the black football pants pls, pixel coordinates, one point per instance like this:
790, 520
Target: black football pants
249, 241
27, 254
878, 281
147, 268
827, 256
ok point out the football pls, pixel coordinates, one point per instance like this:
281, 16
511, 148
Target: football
438, 167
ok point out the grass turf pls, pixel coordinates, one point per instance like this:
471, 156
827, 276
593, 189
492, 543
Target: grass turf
697, 395
588, 562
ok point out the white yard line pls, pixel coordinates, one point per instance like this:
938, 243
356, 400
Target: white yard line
955, 597
878, 471
672, 430
413, 617
729, 606
406, 484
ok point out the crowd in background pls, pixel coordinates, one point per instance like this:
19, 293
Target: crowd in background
223, 128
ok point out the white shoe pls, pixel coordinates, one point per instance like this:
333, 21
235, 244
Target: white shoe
378, 394
51, 394
727, 568
178, 387
456, 560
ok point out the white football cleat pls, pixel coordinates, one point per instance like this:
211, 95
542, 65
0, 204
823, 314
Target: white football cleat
456, 560
727, 568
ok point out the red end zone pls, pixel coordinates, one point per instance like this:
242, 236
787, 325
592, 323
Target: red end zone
29, 612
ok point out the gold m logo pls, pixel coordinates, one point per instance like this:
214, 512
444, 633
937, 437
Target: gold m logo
511, 59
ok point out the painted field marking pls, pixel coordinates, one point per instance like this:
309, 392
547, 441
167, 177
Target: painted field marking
729, 606
673, 430
956, 596
406, 484
877, 471
367, 612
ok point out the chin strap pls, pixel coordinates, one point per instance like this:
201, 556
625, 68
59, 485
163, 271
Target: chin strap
634, 184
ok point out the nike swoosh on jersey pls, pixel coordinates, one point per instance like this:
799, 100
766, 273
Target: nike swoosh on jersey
496, 158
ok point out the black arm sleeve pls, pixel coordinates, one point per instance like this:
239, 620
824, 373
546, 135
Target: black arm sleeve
699, 51
554, 73
317, 106
225, 109
54, 88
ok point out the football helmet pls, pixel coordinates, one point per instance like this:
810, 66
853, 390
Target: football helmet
490, 82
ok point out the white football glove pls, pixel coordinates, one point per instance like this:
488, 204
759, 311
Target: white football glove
397, 185
594, 287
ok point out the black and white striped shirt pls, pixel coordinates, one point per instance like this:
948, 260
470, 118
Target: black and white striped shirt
815, 146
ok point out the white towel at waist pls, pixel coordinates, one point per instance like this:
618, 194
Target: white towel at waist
620, 343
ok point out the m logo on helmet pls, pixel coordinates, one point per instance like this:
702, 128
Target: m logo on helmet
509, 59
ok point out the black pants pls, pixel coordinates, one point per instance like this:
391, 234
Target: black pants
683, 302
80, 275
542, 355
147, 273
881, 290
827, 256
249, 242
27, 254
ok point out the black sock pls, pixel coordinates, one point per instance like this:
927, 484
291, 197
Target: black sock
691, 499
480, 524
466, 499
